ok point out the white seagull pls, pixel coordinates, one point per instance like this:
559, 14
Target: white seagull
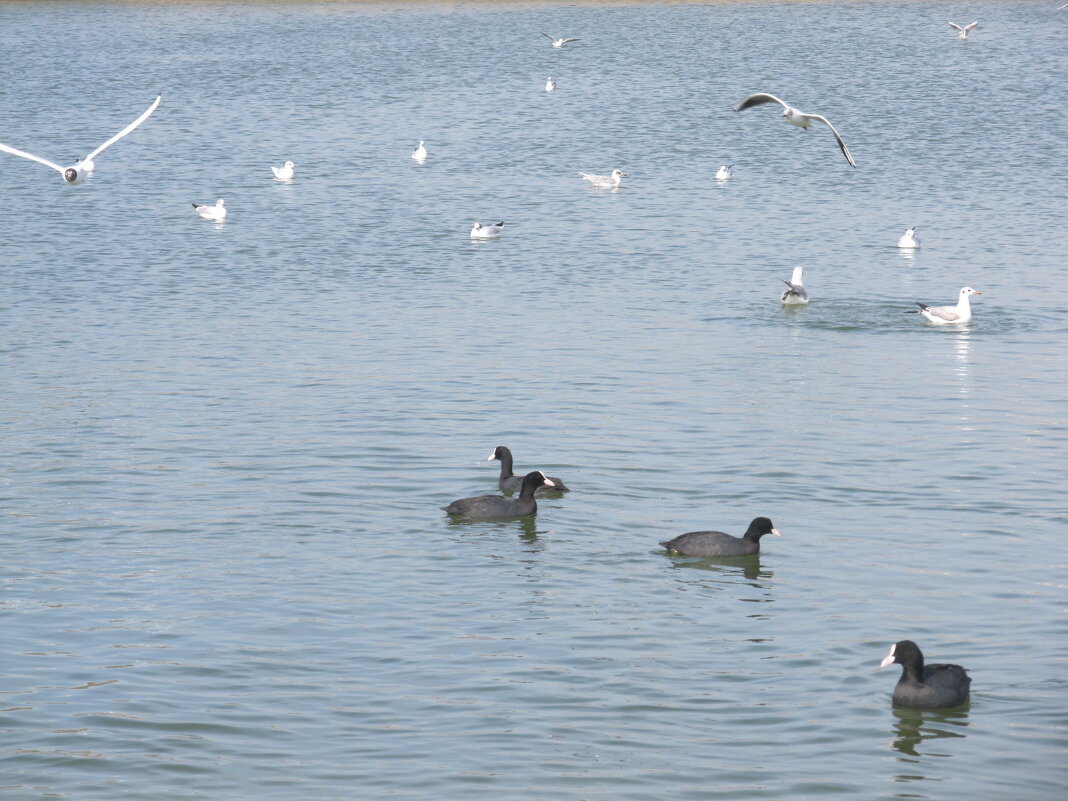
962, 33
724, 173
796, 294
908, 239
550, 84
558, 42
285, 172
947, 315
605, 181
216, 212
420, 154
77, 172
796, 117
480, 231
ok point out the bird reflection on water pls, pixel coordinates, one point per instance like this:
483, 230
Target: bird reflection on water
729, 567
914, 727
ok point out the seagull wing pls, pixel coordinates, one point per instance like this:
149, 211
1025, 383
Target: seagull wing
958, 27
795, 289
837, 136
551, 38
127, 129
757, 99
970, 28
565, 41
947, 313
38, 159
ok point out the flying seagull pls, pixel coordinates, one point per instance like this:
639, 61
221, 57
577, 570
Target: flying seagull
558, 42
77, 172
796, 117
962, 33
945, 315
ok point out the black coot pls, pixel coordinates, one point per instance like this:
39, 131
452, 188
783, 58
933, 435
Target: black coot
509, 482
926, 686
716, 543
487, 507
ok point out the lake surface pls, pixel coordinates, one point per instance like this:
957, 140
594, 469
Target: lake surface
225, 571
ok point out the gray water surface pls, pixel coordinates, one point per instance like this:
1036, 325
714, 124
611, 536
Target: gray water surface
225, 571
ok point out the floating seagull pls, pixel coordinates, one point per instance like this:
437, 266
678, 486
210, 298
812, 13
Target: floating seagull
285, 172
796, 117
962, 33
908, 239
480, 231
550, 84
945, 315
420, 154
558, 42
796, 294
724, 173
76, 173
605, 181
216, 212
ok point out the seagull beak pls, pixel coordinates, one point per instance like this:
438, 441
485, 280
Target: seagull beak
977, 293
775, 531
887, 660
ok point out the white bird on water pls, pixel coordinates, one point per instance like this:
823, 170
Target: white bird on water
724, 173
605, 181
550, 84
796, 117
908, 239
962, 33
558, 42
948, 315
77, 172
420, 154
285, 172
480, 231
795, 295
216, 212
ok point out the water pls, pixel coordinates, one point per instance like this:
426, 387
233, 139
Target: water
225, 572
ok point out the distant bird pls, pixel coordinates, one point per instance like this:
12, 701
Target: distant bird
76, 173
724, 173
480, 231
796, 117
795, 295
716, 543
962, 33
550, 84
558, 42
420, 154
908, 239
216, 212
508, 481
926, 686
605, 181
489, 507
285, 172
947, 315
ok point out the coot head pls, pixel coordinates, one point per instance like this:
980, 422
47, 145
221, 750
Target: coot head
759, 527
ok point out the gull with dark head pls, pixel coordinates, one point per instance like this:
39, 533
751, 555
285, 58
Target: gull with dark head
285, 172
78, 171
605, 181
558, 42
962, 33
480, 231
949, 315
796, 117
795, 294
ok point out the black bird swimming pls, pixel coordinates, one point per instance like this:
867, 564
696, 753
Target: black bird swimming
926, 686
488, 507
716, 543
509, 482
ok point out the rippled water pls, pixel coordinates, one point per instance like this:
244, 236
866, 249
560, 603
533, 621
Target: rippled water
225, 570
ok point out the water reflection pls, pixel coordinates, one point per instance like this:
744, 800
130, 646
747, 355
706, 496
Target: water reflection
729, 567
908, 254
914, 727
526, 527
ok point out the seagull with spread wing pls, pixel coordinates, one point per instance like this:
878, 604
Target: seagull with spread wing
796, 117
